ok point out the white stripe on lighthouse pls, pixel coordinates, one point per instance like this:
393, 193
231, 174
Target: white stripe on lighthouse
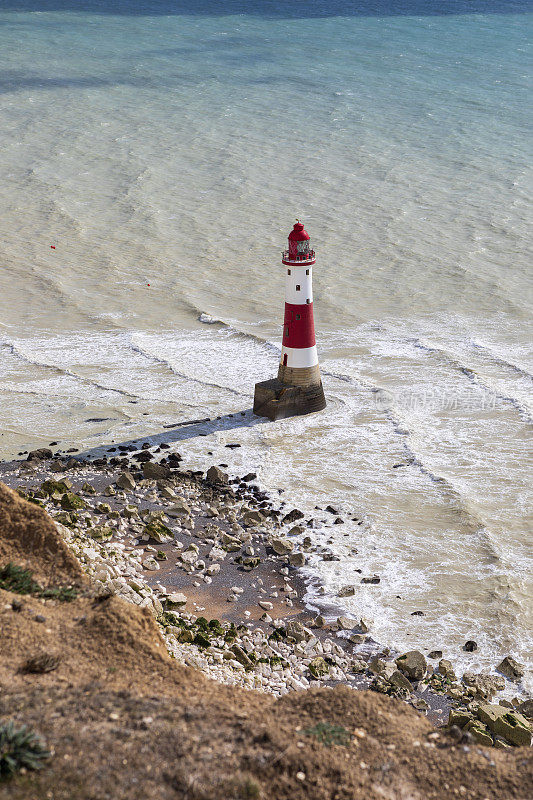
299, 356
298, 277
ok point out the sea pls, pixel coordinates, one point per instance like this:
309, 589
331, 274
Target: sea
154, 157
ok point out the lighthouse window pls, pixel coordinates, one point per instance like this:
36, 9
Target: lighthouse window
308, 301
307, 272
298, 316
302, 247
288, 272
286, 330
297, 287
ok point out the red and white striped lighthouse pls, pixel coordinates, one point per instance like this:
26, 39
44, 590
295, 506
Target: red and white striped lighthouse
298, 387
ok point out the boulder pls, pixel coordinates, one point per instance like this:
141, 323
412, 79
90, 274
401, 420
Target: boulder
346, 623
126, 481
446, 669
526, 708
40, 455
413, 664
216, 475
175, 600
399, 680
150, 563
459, 717
435, 654
511, 668
295, 630
179, 509
159, 532
385, 669
297, 559
72, 502
485, 686
479, 732
282, 546
155, 471
241, 656
292, 516
513, 727
318, 667
252, 518
346, 591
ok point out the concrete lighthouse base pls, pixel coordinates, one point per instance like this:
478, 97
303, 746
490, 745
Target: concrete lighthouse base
276, 400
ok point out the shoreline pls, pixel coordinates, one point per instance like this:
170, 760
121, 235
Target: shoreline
218, 548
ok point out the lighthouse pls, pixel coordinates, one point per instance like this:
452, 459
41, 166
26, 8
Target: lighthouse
298, 387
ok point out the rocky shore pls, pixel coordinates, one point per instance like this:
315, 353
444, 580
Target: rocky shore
218, 563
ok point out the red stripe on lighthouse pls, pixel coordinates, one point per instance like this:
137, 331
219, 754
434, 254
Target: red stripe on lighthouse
299, 326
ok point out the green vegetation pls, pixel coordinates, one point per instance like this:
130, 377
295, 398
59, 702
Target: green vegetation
20, 581
20, 748
330, 735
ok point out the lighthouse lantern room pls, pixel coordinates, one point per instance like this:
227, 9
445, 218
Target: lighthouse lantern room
298, 387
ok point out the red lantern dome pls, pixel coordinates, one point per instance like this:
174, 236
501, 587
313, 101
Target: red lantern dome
299, 251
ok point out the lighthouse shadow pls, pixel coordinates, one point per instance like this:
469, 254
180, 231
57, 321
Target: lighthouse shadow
182, 431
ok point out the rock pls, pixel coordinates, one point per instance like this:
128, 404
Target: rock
175, 600
511, 668
319, 622
87, 488
40, 455
72, 502
413, 664
168, 493
526, 708
159, 532
435, 654
480, 732
365, 625
266, 605
513, 727
346, 623
373, 580
252, 518
485, 686
297, 559
241, 656
346, 591
215, 475
357, 638
230, 543
470, 646
51, 487
130, 511
318, 667
296, 631
446, 669
250, 476
150, 563
179, 509
292, 516
101, 533
385, 669
459, 717
282, 546
155, 471
42, 662
399, 680
126, 481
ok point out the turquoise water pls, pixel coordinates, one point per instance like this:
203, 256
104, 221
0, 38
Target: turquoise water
164, 149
